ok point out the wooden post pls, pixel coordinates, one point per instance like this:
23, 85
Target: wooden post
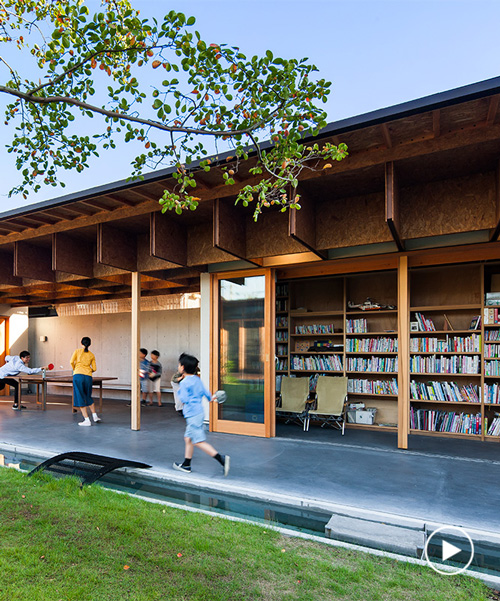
403, 353
135, 394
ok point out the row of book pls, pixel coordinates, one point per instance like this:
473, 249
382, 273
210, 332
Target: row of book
444, 391
315, 329
372, 345
433, 420
282, 321
494, 428
492, 368
282, 365
492, 351
492, 393
374, 387
491, 316
372, 364
281, 336
444, 365
356, 326
492, 335
282, 349
281, 289
424, 324
455, 344
281, 305
319, 362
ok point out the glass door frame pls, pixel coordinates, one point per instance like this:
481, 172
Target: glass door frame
268, 428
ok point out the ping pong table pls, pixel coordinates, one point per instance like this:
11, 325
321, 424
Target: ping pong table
41, 382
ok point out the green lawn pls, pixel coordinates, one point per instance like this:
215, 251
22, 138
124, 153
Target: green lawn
58, 542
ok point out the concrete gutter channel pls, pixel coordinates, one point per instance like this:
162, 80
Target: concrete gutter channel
390, 535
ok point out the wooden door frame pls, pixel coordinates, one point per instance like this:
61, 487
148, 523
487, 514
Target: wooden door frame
268, 428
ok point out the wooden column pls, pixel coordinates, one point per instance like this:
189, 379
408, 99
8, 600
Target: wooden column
403, 353
135, 394
302, 226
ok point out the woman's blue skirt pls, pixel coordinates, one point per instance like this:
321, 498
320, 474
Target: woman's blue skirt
82, 390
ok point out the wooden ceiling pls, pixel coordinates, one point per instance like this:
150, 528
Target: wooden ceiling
84, 246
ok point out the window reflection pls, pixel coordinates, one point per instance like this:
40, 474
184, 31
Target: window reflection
242, 348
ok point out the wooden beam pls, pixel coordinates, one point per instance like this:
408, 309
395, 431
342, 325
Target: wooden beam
436, 122
80, 209
492, 110
33, 262
121, 200
302, 226
386, 134
392, 204
72, 255
229, 232
98, 204
116, 248
168, 239
403, 353
7, 271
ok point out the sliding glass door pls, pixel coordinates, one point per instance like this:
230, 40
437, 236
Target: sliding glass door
242, 361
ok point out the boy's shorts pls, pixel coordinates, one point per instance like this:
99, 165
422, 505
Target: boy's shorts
195, 430
155, 385
145, 385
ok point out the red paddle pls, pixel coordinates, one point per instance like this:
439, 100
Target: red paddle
50, 366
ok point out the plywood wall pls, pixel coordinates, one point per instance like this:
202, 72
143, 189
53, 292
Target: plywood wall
171, 332
446, 207
351, 221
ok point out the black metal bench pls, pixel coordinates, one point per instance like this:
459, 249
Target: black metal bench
87, 466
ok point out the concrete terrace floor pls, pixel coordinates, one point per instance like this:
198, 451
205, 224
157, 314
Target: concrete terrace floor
449, 481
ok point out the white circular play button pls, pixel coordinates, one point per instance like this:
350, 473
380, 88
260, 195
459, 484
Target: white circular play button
449, 550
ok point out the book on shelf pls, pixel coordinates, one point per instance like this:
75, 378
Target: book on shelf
433, 420
356, 326
444, 391
457, 364
315, 329
372, 345
475, 324
492, 393
450, 344
317, 362
375, 387
494, 427
490, 316
425, 324
373, 364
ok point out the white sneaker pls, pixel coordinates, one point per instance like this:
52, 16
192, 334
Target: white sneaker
86, 422
96, 418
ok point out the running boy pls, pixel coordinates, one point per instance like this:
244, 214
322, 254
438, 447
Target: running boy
191, 393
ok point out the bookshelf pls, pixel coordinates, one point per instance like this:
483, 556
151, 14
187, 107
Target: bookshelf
454, 357
282, 333
446, 351
326, 337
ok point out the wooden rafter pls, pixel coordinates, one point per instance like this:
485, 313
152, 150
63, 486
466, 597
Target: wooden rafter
98, 204
492, 110
386, 134
436, 123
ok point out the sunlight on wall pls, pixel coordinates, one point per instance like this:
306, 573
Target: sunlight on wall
18, 325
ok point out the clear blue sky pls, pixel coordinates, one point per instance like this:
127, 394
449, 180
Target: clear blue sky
376, 53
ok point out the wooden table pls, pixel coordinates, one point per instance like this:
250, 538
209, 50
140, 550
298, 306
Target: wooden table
41, 386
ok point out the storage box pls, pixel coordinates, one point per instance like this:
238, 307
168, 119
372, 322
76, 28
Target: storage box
365, 416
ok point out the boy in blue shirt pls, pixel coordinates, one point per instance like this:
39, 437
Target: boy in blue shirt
144, 374
191, 392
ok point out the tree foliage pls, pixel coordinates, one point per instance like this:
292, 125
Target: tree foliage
159, 85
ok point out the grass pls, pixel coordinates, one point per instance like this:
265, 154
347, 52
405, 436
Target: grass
60, 542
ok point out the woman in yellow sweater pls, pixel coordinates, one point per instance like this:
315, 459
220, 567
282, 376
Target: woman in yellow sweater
83, 364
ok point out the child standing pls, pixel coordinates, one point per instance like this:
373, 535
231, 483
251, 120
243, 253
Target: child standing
191, 393
144, 374
83, 364
155, 371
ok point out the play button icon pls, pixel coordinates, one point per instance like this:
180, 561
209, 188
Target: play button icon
449, 550
446, 557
